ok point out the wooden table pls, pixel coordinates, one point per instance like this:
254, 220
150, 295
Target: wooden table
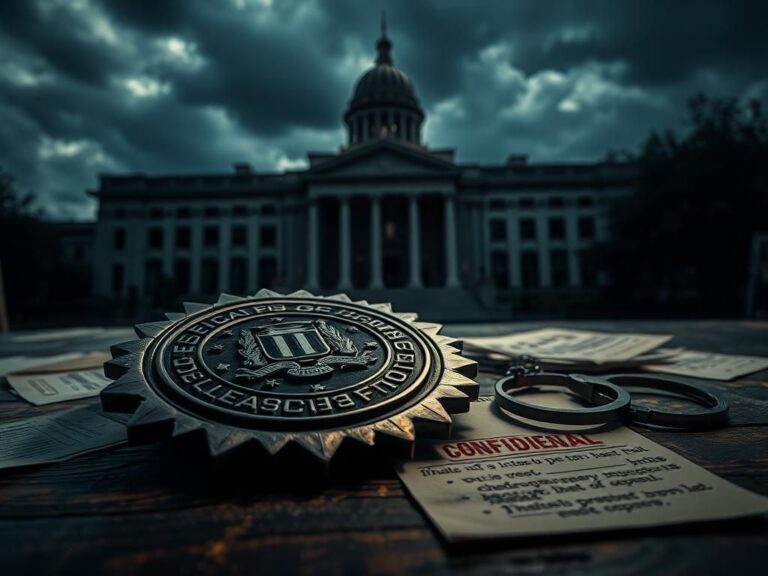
143, 509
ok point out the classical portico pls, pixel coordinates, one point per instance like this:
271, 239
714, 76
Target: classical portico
393, 255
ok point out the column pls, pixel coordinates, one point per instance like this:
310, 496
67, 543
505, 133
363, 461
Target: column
376, 281
542, 238
415, 251
451, 267
513, 243
225, 251
345, 282
312, 252
253, 250
196, 253
573, 245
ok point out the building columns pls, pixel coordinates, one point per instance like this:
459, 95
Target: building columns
414, 237
312, 247
376, 281
345, 280
451, 265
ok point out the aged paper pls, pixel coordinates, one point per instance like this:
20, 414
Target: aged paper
56, 437
496, 479
11, 364
711, 366
567, 344
47, 388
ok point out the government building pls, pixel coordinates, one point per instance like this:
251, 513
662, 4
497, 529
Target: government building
384, 218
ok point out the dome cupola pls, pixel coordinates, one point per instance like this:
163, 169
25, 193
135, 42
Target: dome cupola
384, 103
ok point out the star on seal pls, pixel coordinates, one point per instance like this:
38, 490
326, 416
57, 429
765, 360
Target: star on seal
294, 369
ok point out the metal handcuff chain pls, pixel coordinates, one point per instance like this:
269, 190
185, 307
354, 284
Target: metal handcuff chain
608, 397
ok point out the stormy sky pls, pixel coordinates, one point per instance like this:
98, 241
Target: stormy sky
194, 85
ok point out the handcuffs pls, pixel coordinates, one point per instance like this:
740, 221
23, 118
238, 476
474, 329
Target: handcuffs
608, 399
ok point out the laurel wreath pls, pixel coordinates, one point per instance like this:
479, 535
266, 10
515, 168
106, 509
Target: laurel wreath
250, 350
339, 343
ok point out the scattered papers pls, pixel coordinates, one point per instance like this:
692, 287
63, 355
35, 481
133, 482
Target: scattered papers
57, 437
47, 388
11, 364
574, 345
497, 479
711, 366
79, 361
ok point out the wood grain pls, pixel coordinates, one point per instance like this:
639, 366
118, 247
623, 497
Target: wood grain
154, 509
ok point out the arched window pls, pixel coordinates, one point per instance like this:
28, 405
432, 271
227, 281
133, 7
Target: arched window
371, 125
359, 132
396, 129
409, 128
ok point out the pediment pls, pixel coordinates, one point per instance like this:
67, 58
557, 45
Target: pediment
384, 159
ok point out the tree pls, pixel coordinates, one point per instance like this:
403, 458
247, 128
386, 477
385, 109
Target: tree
681, 242
28, 250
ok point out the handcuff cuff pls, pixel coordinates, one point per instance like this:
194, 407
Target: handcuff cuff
608, 399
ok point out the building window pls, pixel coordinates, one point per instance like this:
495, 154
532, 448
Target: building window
586, 227
558, 266
268, 236
156, 213
267, 272
371, 125
556, 202
239, 235
497, 204
183, 213
409, 128
358, 134
238, 275
529, 267
155, 238
500, 269
268, 210
587, 269
527, 229
585, 201
181, 276
211, 212
118, 277
557, 228
183, 237
211, 236
240, 211
498, 230
209, 281
525, 203
153, 275
119, 239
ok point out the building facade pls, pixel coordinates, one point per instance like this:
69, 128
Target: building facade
385, 216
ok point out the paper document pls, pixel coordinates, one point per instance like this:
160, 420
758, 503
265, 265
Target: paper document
567, 344
497, 479
47, 388
56, 437
711, 366
10, 364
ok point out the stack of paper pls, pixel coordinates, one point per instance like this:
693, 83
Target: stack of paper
583, 350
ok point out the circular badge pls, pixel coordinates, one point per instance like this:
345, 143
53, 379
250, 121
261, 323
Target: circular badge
294, 368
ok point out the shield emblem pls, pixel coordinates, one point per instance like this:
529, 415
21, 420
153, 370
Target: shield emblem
292, 341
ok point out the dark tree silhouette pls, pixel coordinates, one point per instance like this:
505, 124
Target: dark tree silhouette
681, 243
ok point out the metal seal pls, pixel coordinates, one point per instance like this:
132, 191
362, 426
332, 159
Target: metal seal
279, 369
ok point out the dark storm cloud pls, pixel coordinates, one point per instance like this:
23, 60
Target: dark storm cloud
183, 85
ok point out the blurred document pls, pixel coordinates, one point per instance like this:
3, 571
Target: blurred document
11, 364
56, 437
47, 388
499, 479
711, 366
567, 344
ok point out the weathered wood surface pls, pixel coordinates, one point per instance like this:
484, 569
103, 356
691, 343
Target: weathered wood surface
146, 509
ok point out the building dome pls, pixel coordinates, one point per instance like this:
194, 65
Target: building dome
384, 102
